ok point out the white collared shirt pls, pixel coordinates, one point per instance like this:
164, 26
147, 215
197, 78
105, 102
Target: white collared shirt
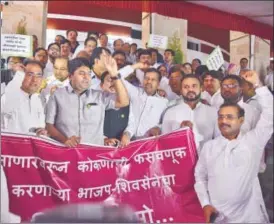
95, 82
147, 110
156, 65
226, 172
216, 100
20, 112
51, 82
253, 101
203, 118
6, 216
48, 71
164, 85
269, 80
252, 116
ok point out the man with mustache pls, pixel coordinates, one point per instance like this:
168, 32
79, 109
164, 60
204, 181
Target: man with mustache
147, 104
75, 113
53, 52
192, 113
212, 92
232, 92
143, 57
21, 108
226, 174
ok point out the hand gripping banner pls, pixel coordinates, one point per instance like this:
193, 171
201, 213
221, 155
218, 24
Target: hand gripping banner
155, 176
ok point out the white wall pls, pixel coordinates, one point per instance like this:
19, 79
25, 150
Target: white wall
51, 33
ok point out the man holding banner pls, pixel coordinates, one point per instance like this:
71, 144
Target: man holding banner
226, 173
70, 124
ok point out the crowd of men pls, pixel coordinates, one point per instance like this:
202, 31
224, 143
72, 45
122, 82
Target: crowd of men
111, 95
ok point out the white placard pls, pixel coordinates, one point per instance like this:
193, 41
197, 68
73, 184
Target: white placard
215, 60
158, 41
16, 45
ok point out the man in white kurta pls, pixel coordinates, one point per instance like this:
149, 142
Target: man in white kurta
202, 117
6, 215
212, 93
231, 91
226, 174
147, 105
21, 109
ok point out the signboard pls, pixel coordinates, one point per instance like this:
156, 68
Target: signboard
16, 45
154, 176
215, 59
158, 41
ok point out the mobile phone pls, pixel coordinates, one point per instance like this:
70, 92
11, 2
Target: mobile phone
213, 217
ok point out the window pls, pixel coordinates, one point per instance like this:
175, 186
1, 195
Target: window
193, 46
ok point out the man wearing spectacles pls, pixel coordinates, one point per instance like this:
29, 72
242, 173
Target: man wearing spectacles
53, 52
232, 92
14, 64
226, 174
21, 108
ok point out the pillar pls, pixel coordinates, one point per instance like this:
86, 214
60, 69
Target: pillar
32, 13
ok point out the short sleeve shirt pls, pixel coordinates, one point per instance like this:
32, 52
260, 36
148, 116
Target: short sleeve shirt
80, 115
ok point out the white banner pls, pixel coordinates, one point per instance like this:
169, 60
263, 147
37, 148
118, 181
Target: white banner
16, 45
158, 41
215, 60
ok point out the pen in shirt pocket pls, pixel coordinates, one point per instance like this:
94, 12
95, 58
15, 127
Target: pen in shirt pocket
91, 104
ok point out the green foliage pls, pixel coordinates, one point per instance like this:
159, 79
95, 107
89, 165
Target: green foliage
174, 43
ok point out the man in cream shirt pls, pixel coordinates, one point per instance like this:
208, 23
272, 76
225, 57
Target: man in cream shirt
226, 173
59, 79
21, 107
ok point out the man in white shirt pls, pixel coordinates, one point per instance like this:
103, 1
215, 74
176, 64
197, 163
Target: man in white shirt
191, 112
6, 215
66, 49
59, 79
211, 83
53, 52
118, 45
269, 82
175, 84
231, 91
226, 174
21, 108
249, 95
154, 57
147, 104
41, 55
143, 57
98, 67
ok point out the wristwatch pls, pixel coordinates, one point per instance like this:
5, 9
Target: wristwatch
116, 77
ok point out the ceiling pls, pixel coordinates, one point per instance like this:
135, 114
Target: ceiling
260, 11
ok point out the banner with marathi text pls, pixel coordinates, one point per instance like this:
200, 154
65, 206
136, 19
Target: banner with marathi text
154, 176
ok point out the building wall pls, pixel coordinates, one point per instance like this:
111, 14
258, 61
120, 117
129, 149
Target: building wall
33, 12
84, 17
207, 39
